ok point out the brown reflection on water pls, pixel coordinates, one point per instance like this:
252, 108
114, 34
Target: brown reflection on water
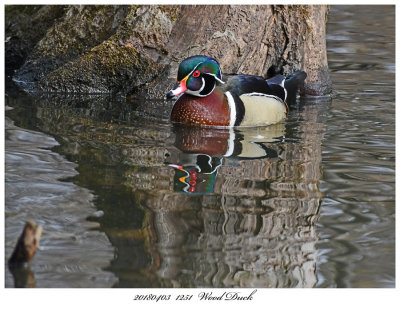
251, 222
23, 277
256, 228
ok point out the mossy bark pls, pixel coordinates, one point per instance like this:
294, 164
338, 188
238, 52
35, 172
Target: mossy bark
25, 26
137, 49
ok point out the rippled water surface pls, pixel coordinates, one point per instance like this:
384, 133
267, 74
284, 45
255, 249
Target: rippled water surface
128, 200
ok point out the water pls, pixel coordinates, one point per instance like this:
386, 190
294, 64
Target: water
357, 232
128, 200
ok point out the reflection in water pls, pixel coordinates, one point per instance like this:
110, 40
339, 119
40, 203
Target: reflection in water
23, 277
190, 207
257, 228
254, 223
249, 221
203, 151
70, 254
357, 224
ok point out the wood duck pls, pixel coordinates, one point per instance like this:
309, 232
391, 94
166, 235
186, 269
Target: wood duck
244, 100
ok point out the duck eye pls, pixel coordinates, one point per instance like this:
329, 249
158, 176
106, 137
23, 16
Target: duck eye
196, 73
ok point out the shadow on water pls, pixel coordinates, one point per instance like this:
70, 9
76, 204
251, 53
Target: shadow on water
23, 277
192, 207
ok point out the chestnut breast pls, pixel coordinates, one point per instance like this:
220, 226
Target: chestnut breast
211, 110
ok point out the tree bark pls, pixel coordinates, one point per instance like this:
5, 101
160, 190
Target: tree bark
137, 49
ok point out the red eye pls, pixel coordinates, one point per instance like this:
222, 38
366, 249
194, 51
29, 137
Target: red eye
196, 73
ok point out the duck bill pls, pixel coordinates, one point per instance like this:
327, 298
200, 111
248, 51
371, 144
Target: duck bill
180, 87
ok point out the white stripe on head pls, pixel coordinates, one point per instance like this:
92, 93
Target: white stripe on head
195, 68
215, 76
232, 108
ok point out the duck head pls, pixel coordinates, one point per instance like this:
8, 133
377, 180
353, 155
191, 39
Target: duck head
197, 76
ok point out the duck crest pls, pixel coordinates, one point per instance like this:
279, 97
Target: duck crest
203, 63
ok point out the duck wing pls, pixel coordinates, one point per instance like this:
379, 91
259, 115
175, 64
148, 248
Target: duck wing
256, 85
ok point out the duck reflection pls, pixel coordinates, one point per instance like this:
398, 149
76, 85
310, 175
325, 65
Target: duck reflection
232, 142
197, 176
248, 218
198, 207
204, 149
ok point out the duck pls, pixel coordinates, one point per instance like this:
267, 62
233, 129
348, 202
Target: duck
205, 99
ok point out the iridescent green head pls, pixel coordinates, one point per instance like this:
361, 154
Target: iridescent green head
197, 75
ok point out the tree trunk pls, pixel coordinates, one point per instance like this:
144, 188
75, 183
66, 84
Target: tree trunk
137, 49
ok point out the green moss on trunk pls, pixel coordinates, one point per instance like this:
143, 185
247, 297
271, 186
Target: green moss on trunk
108, 67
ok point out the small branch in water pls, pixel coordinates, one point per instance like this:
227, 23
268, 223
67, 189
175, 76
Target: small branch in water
27, 245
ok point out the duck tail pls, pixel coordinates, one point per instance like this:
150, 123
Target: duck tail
292, 84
